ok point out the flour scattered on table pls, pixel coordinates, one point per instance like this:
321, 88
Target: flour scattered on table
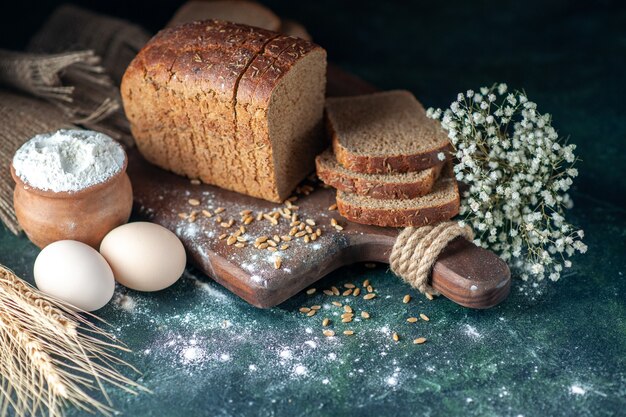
217, 334
192, 354
392, 381
577, 390
286, 354
299, 370
471, 332
124, 302
211, 290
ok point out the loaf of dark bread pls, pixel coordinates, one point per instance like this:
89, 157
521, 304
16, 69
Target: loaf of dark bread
201, 105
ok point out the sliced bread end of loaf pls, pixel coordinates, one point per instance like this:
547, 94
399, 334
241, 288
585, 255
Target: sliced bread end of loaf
384, 132
297, 132
379, 186
441, 204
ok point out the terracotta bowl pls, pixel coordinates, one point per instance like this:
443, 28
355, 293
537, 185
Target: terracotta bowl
86, 215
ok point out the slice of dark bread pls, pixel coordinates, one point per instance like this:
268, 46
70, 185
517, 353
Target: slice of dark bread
442, 203
381, 186
384, 132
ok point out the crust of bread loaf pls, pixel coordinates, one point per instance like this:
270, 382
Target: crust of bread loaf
371, 164
399, 217
291, 50
376, 185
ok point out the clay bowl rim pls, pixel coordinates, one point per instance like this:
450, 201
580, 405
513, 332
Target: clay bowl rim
71, 194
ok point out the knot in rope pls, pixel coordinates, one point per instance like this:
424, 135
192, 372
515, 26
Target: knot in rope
417, 248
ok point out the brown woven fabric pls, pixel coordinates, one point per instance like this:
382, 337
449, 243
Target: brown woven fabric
22, 118
40, 74
115, 41
71, 28
71, 81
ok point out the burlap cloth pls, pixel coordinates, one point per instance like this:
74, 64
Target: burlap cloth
70, 28
68, 77
22, 117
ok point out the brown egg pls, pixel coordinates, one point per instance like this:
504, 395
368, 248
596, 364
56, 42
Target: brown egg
144, 256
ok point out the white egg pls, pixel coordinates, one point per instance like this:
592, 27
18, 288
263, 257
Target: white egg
144, 256
76, 273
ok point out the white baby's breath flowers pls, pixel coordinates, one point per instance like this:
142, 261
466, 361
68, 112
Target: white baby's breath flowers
517, 171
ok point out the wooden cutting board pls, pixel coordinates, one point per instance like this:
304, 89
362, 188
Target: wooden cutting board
468, 275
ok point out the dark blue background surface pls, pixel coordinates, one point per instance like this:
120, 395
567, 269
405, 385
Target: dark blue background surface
555, 349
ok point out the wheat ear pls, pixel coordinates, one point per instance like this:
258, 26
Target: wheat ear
52, 356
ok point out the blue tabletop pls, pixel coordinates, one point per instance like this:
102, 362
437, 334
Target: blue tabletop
556, 349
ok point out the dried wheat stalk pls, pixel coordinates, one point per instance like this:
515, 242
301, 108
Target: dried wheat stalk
52, 356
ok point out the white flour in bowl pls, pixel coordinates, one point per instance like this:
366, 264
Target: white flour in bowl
68, 160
